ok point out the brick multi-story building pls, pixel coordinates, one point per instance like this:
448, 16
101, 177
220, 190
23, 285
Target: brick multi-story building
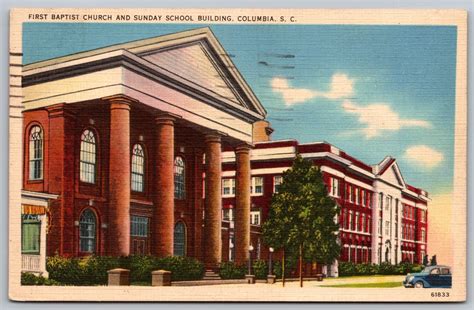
160, 147
382, 218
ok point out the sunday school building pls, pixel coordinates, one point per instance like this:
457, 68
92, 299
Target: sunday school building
160, 147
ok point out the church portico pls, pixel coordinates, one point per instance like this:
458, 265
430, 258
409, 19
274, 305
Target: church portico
138, 154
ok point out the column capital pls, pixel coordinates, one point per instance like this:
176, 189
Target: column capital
59, 110
214, 136
243, 148
119, 100
165, 118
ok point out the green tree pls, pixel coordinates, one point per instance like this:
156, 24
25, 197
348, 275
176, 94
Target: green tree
301, 218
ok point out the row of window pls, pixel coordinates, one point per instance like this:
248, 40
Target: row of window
409, 233
356, 254
88, 162
353, 194
139, 227
256, 186
255, 216
409, 212
356, 221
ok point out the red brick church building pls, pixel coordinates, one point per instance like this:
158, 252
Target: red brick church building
144, 147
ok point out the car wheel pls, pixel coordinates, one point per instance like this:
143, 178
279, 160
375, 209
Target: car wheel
419, 284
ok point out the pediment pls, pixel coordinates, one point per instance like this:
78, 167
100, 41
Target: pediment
195, 63
393, 175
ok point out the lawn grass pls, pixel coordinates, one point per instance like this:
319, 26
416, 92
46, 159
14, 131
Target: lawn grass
368, 285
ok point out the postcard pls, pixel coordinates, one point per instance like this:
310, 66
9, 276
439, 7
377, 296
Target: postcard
255, 155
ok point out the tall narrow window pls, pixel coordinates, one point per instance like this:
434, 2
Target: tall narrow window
277, 180
88, 157
138, 168
179, 180
87, 231
334, 187
179, 239
36, 153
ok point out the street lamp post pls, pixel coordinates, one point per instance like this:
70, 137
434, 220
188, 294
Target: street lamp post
270, 269
250, 259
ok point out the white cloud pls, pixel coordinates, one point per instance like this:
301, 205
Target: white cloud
341, 87
379, 118
424, 156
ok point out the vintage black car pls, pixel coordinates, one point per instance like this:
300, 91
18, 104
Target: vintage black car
438, 276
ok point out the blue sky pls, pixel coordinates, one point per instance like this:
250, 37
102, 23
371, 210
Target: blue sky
373, 91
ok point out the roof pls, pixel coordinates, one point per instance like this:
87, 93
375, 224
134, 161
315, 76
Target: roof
194, 58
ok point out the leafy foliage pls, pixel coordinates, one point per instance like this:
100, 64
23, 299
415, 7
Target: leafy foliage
230, 270
302, 214
352, 269
92, 270
31, 279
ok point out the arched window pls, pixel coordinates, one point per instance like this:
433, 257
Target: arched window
36, 153
87, 231
179, 239
179, 180
88, 157
138, 168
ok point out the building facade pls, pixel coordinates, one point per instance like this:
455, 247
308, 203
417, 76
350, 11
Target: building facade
128, 138
160, 147
382, 218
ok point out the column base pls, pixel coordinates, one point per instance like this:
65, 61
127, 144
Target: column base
271, 279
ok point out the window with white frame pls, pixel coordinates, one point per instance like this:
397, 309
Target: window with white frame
357, 195
423, 235
381, 201
387, 228
256, 187
423, 216
138, 226
350, 221
387, 203
255, 217
357, 221
351, 193
227, 214
36, 153
334, 187
379, 229
88, 157
87, 231
277, 180
138, 168
179, 178
363, 222
228, 187
362, 197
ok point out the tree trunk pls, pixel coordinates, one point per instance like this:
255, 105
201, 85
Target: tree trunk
301, 265
283, 268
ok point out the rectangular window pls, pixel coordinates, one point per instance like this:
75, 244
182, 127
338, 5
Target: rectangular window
387, 228
334, 187
277, 180
30, 234
356, 190
351, 193
351, 224
256, 187
255, 217
380, 201
363, 223
423, 235
387, 203
227, 214
379, 230
228, 187
357, 221
363, 198
423, 216
139, 226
